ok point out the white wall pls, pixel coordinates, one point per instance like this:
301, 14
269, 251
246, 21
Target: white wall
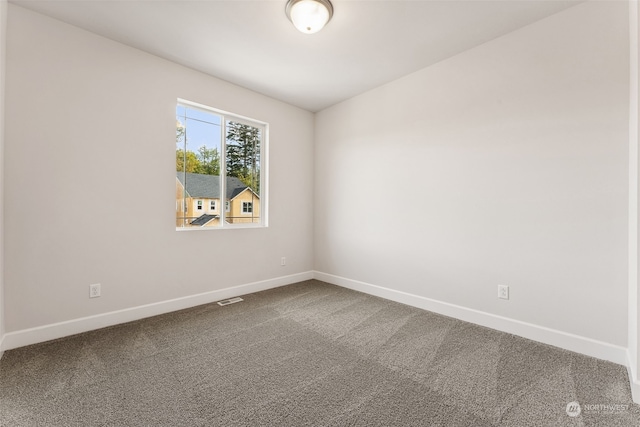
90, 178
506, 164
3, 33
634, 177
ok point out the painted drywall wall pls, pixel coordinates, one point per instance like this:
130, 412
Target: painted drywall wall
90, 179
634, 177
506, 164
3, 38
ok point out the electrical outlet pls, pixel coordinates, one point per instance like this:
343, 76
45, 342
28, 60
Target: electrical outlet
94, 290
503, 292
283, 261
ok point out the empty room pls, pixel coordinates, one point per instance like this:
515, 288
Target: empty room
430, 213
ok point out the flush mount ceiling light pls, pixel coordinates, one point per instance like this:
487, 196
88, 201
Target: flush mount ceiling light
309, 16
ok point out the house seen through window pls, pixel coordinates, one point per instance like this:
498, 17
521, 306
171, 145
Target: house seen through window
219, 159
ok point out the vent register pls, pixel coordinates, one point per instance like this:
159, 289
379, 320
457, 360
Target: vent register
229, 301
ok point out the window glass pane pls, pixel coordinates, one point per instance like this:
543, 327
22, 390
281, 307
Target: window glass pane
243, 165
198, 163
219, 159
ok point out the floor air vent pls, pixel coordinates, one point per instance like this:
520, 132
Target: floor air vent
230, 301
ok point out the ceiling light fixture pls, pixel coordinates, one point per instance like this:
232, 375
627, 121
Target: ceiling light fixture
309, 16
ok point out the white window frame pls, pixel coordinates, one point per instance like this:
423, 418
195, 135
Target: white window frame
263, 213
245, 212
199, 205
213, 205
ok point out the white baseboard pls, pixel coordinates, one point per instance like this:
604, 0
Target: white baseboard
634, 382
567, 341
71, 327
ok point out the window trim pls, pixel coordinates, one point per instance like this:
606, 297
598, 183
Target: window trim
264, 166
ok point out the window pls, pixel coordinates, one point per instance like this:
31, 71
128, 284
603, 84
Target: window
219, 157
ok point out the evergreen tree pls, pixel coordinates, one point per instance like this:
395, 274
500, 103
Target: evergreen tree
243, 154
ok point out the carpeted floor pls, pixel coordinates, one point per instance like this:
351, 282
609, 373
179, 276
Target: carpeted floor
309, 354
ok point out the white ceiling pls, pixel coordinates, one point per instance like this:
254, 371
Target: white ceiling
252, 43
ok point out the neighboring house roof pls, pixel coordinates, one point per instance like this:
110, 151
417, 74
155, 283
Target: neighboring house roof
239, 192
203, 220
208, 186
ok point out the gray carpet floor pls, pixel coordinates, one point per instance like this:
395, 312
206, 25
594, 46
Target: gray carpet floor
308, 354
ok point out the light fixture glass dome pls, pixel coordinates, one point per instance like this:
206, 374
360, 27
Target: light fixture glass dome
309, 16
